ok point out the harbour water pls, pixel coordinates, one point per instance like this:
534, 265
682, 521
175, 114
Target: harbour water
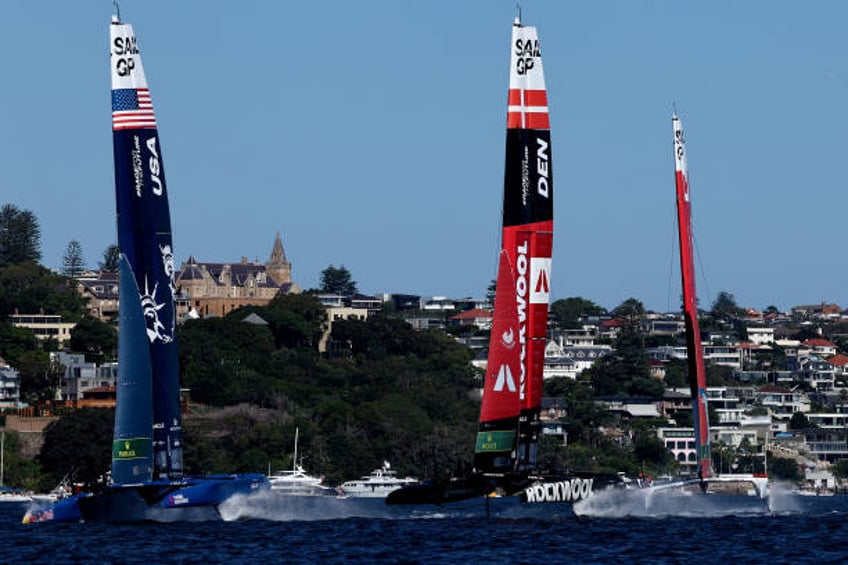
277, 529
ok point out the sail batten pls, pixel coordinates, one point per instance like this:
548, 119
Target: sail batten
695, 353
512, 393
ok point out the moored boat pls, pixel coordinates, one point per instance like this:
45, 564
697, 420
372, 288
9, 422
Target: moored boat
378, 484
296, 481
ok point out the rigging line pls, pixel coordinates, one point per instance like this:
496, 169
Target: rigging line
672, 255
698, 254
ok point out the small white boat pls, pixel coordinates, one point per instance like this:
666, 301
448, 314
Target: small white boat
295, 481
61, 491
378, 484
11, 495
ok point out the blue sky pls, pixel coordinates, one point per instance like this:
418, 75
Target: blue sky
371, 134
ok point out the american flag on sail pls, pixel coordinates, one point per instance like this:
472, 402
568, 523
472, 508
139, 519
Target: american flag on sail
132, 109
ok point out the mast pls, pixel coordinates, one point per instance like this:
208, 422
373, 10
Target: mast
509, 418
294, 462
695, 353
147, 441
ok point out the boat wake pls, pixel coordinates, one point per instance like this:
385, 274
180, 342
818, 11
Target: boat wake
273, 506
659, 503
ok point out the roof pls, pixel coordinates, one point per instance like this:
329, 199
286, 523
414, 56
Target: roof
774, 388
255, 318
817, 342
838, 360
472, 314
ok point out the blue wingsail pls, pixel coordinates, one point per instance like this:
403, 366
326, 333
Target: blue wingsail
132, 446
144, 238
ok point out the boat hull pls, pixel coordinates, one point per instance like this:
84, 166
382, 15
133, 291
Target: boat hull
528, 489
195, 498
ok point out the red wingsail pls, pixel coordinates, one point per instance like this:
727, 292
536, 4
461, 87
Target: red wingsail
509, 420
695, 353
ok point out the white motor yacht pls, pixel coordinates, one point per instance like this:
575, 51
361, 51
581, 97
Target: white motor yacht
378, 484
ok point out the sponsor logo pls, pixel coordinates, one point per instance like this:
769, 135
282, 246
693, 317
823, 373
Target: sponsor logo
504, 377
526, 51
124, 48
540, 277
543, 168
155, 167
130, 448
560, 491
680, 156
138, 172
178, 499
508, 339
150, 308
521, 289
494, 441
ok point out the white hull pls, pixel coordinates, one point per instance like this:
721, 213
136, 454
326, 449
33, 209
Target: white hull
376, 485
373, 491
7, 497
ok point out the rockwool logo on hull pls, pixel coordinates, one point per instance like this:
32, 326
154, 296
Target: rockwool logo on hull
560, 491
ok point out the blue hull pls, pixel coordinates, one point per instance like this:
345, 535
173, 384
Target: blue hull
195, 498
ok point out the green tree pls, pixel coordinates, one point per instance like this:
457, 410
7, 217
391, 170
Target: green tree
491, 290
220, 360
337, 281
98, 340
73, 262
20, 236
39, 377
568, 311
648, 448
631, 311
625, 371
785, 469
296, 320
110, 259
79, 445
29, 288
840, 469
15, 342
799, 421
18, 471
725, 306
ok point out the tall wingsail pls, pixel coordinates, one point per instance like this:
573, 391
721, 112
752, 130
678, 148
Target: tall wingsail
695, 353
509, 426
148, 378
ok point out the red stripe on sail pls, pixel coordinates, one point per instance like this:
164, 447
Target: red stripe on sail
536, 120
536, 98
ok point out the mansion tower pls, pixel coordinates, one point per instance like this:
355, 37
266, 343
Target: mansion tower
215, 289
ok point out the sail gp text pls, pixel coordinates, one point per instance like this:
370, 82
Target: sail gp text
124, 48
560, 491
526, 51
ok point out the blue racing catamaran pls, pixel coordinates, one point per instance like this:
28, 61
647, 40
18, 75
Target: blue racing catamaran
147, 479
